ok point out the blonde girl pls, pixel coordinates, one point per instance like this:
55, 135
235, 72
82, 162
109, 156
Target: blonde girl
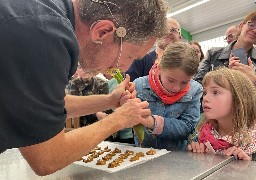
228, 123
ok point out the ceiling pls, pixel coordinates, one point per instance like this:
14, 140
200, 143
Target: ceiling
210, 15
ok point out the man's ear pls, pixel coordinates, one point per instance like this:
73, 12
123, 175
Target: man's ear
241, 24
102, 29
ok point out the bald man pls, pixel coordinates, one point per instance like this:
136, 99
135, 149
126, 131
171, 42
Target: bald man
231, 34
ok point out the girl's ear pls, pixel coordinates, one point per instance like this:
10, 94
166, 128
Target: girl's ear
102, 29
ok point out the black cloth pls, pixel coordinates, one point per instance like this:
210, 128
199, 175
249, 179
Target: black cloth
141, 67
39, 53
216, 57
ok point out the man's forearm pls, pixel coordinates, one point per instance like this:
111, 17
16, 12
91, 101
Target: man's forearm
83, 105
56, 153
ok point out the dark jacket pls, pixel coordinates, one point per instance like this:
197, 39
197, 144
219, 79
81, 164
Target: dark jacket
216, 57
141, 67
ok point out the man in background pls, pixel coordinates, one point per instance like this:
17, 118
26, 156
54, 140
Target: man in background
231, 34
141, 67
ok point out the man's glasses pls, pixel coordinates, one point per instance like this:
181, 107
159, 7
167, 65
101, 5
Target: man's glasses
251, 25
230, 36
174, 30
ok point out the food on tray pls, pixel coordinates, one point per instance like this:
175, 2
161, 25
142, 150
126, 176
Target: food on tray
151, 152
107, 157
113, 165
129, 152
92, 152
89, 159
116, 150
118, 160
95, 155
97, 148
134, 158
101, 152
106, 149
140, 154
101, 162
123, 156
115, 153
112, 153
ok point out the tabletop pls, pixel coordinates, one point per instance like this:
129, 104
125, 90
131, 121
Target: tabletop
235, 170
174, 165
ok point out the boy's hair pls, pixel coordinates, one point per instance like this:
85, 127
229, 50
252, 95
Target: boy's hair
142, 19
180, 55
243, 95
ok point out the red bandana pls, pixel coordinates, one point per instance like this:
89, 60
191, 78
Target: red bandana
156, 85
206, 135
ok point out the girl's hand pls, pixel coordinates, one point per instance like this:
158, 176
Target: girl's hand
237, 152
196, 147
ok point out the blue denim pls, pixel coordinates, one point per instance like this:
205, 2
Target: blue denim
180, 118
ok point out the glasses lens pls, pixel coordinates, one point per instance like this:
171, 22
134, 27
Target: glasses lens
174, 30
252, 25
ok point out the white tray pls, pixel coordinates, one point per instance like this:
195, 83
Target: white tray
126, 163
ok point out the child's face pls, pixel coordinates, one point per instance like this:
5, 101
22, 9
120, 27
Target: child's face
217, 102
174, 80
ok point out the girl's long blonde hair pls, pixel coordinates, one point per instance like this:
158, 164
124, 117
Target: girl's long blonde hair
243, 99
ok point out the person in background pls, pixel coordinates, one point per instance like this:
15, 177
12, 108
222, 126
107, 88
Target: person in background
229, 120
82, 85
173, 97
198, 49
42, 41
216, 57
141, 67
232, 34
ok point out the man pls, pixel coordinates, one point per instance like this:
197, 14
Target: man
40, 41
141, 67
232, 33
222, 56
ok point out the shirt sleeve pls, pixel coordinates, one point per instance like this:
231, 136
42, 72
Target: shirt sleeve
39, 55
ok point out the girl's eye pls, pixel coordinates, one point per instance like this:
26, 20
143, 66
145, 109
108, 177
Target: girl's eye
215, 92
204, 93
171, 81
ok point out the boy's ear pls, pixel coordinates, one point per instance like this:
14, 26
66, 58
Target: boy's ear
102, 29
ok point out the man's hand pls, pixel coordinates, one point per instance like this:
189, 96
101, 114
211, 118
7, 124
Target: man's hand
132, 112
125, 96
120, 89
